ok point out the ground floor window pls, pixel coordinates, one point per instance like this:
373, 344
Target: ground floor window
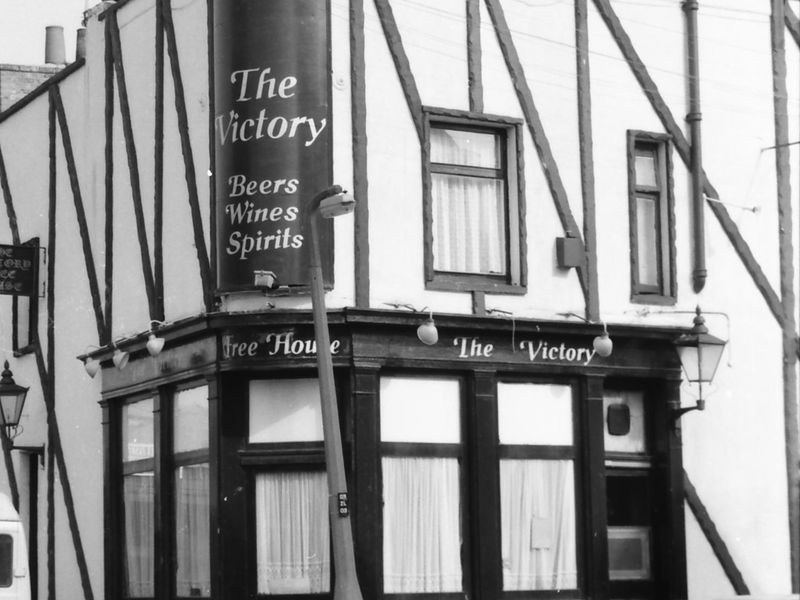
166, 432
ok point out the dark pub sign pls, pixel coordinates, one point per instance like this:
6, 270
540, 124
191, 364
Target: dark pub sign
272, 131
18, 266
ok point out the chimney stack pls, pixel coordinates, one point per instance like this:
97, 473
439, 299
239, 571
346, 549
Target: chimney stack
54, 50
80, 44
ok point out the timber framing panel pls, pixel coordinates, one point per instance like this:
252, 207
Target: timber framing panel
785, 235
718, 545
80, 212
112, 31
358, 118
536, 129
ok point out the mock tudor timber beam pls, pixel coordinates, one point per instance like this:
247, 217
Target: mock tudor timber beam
358, 118
664, 114
536, 129
133, 162
188, 157
83, 228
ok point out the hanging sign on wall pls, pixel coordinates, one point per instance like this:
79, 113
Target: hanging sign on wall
272, 131
18, 269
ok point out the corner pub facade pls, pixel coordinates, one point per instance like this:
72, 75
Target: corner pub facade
529, 175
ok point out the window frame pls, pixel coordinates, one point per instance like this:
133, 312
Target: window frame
514, 281
164, 463
270, 457
665, 292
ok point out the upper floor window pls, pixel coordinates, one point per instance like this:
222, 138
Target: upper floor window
474, 234
651, 218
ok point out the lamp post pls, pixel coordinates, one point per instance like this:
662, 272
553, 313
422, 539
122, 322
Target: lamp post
330, 203
700, 353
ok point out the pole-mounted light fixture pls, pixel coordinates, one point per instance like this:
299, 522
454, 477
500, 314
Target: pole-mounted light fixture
700, 353
154, 343
329, 203
12, 399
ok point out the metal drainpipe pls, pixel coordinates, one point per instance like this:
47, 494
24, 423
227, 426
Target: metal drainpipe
690, 8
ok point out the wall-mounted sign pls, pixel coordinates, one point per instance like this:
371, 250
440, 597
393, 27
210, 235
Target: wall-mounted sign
535, 350
291, 343
18, 270
272, 129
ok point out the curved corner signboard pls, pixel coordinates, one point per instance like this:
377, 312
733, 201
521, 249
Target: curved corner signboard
272, 129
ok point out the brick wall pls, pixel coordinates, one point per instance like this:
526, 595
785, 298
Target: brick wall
17, 81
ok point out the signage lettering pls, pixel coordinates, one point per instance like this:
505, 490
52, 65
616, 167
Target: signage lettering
273, 138
280, 345
18, 266
536, 350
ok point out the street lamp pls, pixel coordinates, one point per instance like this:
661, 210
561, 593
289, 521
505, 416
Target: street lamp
700, 353
12, 399
330, 203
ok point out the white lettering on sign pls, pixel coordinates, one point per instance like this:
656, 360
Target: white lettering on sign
274, 344
562, 352
471, 347
285, 344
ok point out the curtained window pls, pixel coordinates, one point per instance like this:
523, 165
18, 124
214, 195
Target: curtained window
473, 235
292, 533
537, 487
192, 518
421, 472
291, 504
138, 499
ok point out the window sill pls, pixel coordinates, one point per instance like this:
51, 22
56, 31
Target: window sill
654, 299
446, 282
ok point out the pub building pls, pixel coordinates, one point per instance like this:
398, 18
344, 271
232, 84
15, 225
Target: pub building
394, 299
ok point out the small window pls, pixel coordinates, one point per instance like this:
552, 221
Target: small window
474, 238
651, 219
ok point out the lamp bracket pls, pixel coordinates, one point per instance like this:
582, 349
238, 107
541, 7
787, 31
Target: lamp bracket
677, 413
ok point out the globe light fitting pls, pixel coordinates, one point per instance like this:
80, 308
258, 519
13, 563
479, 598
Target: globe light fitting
602, 344
427, 332
92, 366
120, 359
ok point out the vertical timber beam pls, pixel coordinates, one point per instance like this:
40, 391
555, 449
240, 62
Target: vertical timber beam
47, 382
784, 193
587, 158
474, 67
158, 166
358, 116
109, 181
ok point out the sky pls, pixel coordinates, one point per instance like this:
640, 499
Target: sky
22, 27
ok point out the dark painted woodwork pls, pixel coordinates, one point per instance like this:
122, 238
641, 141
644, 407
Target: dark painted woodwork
42, 89
188, 156
212, 111
9, 202
11, 473
650, 90
83, 228
585, 148
403, 67
48, 386
367, 528
591, 423
54, 445
792, 22
162, 495
474, 52
214, 470
158, 164
358, 119
235, 540
718, 545
112, 519
133, 163
478, 303
786, 254
108, 121
484, 485
536, 128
